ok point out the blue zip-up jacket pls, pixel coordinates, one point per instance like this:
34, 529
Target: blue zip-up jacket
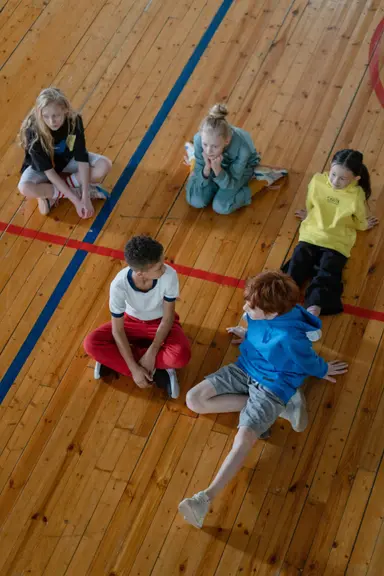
277, 353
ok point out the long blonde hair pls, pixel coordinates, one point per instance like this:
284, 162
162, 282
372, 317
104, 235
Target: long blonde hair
216, 121
35, 124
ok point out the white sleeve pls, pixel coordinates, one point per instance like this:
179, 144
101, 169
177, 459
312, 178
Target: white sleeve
117, 297
172, 287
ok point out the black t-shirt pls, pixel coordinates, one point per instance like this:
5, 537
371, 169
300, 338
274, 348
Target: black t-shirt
67, 145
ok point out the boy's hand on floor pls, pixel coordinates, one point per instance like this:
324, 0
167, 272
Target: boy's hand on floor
141, 377
239, 332
335, 368
301, 214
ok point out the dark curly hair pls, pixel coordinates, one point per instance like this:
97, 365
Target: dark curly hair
141, 252
272, 292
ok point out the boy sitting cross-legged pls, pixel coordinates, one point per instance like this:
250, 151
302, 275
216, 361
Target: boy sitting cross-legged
276, 356
144, 338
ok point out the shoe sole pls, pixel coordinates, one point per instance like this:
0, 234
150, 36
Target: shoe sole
186, 511
44, 206
96, 371
174, 391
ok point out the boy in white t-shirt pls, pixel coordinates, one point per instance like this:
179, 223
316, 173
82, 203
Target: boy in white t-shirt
144, 339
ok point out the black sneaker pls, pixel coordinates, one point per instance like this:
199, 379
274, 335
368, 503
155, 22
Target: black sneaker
167, 380
102, 371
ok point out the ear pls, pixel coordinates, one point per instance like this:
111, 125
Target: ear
357, 178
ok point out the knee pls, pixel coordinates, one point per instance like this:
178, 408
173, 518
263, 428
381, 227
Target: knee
105, 165
196, 202
221, 207
194, 400
25, 189
90, 343
182, 355
178, 354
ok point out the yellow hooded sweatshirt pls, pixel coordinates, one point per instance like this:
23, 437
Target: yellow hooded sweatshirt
333, 215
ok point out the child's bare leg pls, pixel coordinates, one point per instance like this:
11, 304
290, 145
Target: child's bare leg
242, 445
203, 399
98, 172
196, 508
32, 190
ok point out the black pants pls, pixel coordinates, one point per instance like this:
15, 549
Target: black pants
325, 267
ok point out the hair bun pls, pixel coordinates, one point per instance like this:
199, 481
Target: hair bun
218, 111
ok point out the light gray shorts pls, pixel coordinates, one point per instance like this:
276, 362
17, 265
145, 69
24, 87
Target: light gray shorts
31, 175
262, 408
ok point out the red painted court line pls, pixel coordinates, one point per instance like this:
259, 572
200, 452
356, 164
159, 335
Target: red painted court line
374, 62
184, 270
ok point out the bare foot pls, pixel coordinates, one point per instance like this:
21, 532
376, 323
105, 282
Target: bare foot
315, 310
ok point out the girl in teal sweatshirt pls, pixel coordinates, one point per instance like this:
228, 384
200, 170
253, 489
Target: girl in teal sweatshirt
225, 159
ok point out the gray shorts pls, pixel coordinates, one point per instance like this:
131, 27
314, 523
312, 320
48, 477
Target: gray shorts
31, 175
263, 406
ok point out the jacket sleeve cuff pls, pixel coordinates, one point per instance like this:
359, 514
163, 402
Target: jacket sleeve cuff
201, 181
222, 180
323, 369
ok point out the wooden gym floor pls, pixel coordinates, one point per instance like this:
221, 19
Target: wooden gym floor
91, 473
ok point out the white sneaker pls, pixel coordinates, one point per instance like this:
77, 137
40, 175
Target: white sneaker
270, 175
96, 191
195, 509
102, 371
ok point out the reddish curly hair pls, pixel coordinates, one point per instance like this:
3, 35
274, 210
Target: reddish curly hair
272, 292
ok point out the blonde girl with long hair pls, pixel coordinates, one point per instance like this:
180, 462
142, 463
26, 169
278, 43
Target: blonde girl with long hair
57, 163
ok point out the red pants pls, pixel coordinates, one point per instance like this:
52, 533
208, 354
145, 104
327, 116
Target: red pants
101, 345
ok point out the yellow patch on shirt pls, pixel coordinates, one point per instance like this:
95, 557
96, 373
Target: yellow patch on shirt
71, 139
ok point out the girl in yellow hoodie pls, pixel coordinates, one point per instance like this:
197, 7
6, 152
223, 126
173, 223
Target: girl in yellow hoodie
335, 209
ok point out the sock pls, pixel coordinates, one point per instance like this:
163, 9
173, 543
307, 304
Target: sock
57, 194
206, 495
72, 181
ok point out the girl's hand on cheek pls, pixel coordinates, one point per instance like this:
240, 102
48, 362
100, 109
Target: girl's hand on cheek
207, 167
216, 164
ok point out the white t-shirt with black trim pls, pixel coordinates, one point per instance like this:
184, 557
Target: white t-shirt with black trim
124, 296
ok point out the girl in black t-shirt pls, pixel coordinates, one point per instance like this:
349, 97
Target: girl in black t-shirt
56, 162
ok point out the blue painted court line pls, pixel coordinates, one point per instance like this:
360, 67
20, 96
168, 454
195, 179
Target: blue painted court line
73, 267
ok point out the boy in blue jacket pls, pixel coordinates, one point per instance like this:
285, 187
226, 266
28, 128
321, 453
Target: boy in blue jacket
276, 356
